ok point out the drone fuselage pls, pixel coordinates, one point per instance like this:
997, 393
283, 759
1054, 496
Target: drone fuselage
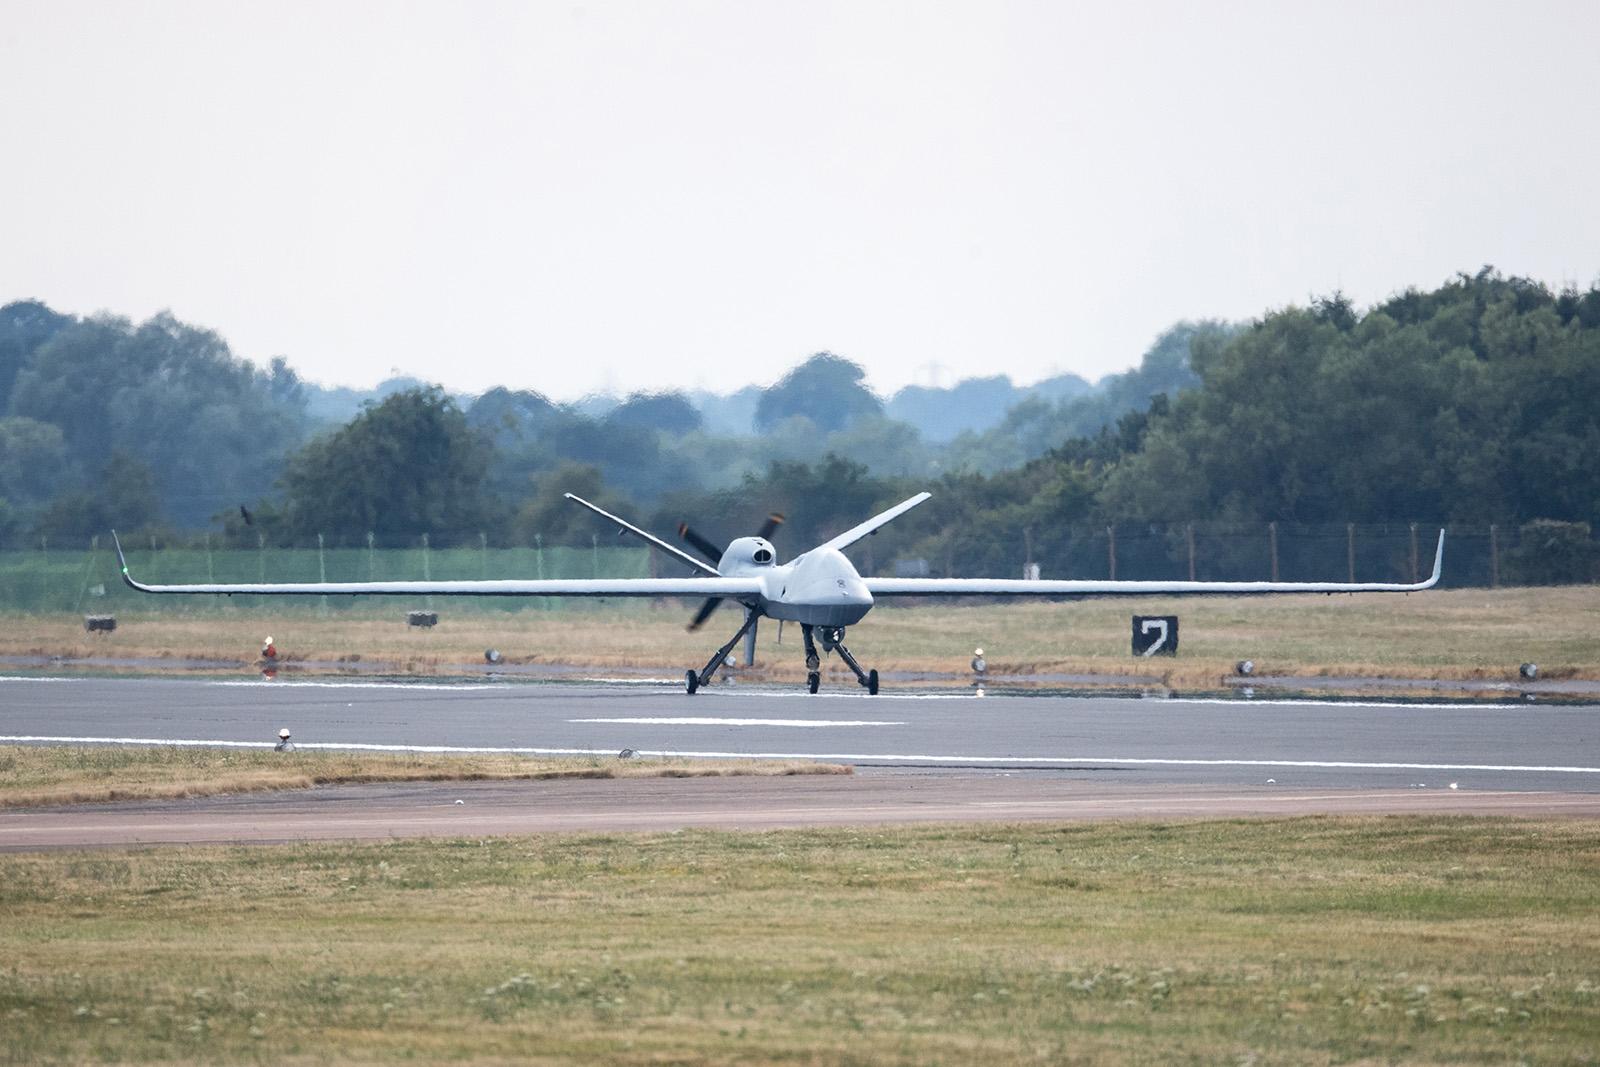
818, 588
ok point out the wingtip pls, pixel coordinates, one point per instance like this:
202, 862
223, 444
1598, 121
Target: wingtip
122, 560
1438, 558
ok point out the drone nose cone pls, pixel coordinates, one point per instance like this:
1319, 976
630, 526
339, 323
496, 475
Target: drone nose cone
848, 602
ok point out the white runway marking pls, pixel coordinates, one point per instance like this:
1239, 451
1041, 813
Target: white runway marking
686, 720
852, 757
453, 687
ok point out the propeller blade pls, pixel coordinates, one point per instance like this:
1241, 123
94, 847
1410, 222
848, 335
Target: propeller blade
770, 527
705, 547
704, 613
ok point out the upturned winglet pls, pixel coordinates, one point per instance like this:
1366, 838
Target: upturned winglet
1438, 563
122, 561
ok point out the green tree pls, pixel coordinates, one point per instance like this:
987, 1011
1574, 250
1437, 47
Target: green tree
1469, 403
549, 516
24, 326
402, 468
669, 413
212, 428
826, 389
124, 498
33, 461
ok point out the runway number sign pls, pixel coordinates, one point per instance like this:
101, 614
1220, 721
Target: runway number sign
1155, 635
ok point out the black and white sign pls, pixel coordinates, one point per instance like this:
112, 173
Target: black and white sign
1155, 635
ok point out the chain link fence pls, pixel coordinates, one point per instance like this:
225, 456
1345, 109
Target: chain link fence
1474, 556
58, 578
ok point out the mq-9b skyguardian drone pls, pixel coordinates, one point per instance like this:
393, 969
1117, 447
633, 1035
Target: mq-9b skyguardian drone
819, 589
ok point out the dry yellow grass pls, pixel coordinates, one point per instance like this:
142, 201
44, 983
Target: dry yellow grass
33, 775
1470, 633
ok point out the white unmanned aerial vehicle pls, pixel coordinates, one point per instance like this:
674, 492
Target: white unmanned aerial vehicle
820, 589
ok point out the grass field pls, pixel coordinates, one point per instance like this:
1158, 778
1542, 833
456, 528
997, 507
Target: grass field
1322, 940
1472, 633
62, 774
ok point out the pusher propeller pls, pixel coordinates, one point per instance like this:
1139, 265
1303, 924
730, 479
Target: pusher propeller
709, 549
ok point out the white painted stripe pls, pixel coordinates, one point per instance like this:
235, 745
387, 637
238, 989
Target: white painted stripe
453, 687
1406, 705
698, 721
853, 757
1157, 701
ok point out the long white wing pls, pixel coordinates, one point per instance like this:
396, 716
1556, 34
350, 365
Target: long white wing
879, 587
733, 588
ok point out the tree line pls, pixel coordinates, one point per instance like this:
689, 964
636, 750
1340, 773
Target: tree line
1470, 403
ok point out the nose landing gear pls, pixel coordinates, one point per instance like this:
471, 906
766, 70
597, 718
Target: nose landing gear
833, 641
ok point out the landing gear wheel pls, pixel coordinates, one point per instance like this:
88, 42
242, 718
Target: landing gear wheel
813, 681
872, 683
691, 681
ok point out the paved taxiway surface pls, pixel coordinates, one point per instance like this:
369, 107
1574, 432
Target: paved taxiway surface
1131, 741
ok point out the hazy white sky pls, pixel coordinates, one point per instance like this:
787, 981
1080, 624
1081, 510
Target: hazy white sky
573, 196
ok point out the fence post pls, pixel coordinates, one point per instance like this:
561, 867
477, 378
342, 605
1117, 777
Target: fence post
1413, 553
594, 553
261, 558
211, 572
483, 554
88, 571
1272, 537
1188, 533
1111, 550
369, 555
1350, 550
427, 568
1494, 556
543, 603
322, 576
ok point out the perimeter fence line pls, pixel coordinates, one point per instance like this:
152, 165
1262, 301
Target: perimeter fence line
85, 578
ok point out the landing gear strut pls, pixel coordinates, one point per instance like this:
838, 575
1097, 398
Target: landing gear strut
833, 641
693, 681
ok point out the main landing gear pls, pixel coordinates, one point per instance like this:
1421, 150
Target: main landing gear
832, 641
693, 680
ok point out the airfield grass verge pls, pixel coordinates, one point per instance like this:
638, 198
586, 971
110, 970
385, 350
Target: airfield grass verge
1458, 633
1317, 940
33, 775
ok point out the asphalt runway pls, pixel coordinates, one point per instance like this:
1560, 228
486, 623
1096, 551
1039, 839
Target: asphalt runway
920, 757
1132, 741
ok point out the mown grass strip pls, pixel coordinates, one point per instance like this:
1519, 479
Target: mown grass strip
34, 775
1322, 940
